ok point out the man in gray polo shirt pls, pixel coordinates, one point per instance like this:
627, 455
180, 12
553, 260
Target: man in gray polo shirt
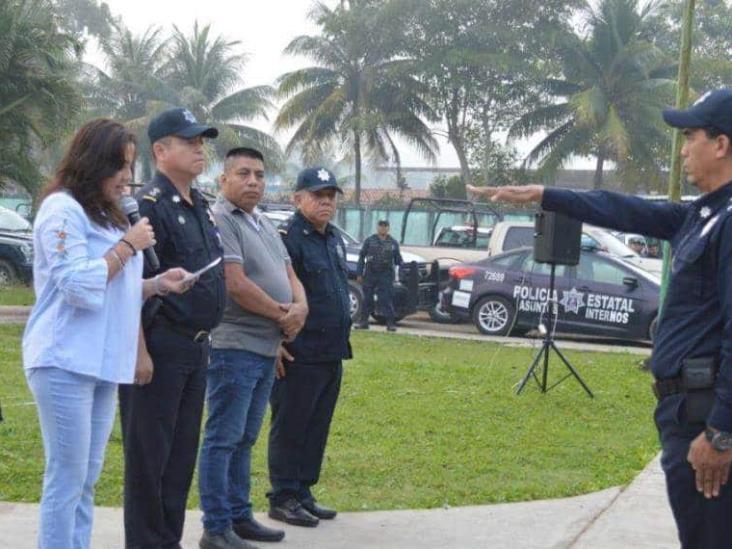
265, 303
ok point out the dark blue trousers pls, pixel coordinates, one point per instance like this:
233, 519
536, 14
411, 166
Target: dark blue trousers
383, 285
302, 403
702, 523
161, 423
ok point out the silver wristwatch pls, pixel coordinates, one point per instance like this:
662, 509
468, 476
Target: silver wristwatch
719, 440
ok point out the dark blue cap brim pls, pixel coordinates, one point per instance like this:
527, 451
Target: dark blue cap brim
683, 119
198, 129
316, 188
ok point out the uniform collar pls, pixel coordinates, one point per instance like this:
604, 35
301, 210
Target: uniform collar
168, 190
707, 204
308, 227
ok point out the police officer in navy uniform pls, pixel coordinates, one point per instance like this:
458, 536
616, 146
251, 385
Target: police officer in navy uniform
692, 354
375, 271
304, 395
161, 420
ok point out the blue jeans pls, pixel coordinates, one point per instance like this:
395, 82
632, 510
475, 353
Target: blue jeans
239, 384
76, 413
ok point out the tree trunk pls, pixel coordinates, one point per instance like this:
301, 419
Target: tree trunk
465, 172
357, 162
597, 180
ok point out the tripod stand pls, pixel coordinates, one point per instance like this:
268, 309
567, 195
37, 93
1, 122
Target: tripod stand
547, 345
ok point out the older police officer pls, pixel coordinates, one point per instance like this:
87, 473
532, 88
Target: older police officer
692, 355
161, 421
304, 395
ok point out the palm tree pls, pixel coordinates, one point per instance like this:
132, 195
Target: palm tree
608, 103
133, 87
360, 95
37, 94
206, 72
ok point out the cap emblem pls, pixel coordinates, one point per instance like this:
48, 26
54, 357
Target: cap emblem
702, 98
323, 175
188, 115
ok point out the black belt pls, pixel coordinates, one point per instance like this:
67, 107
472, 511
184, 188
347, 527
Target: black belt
197, 336
667, 387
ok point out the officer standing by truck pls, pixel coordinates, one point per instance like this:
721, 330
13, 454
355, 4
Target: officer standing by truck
692, 353
375, 272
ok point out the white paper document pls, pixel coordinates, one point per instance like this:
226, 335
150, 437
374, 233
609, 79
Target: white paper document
199, 272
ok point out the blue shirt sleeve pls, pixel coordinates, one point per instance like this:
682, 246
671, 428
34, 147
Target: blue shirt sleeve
721, 415
63, 230
617, 211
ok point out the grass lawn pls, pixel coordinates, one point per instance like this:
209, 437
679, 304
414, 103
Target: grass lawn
17, 295
421, 423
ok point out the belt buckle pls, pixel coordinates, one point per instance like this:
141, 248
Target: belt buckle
200, 336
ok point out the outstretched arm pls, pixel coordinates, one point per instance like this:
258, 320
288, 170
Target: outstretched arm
602, 208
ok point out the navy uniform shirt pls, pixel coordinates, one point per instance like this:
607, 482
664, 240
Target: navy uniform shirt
186, 237
319, 260
378, 255
697, 314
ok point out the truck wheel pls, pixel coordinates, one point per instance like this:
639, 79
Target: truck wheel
7, 274
441, 316
355, 297
493, 315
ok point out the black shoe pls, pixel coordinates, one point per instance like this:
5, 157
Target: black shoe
292, 512
319, 511
251, 529
391, 327
227, 540
362, 325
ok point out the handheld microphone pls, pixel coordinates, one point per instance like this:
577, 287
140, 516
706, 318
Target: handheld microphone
132, 211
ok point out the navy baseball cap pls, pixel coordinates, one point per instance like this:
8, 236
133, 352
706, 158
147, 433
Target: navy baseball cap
179, 122
713, 109
315, 179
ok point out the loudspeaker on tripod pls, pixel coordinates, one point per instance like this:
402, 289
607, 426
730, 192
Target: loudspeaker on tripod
557, 239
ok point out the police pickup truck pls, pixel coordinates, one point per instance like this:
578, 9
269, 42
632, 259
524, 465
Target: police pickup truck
508, 294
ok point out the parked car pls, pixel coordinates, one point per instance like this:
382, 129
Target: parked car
404, 298
508, 293
16, 248
509, 235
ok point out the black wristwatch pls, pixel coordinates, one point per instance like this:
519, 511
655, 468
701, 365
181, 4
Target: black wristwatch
719, 440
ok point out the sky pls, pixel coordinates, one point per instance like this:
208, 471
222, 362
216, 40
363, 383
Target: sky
264, 28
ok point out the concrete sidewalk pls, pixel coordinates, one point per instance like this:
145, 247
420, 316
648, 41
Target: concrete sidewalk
637, 516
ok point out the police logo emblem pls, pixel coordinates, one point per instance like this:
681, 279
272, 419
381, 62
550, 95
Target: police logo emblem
705, 212
176, 198
573, 301
702, 98
323, 175
188, 115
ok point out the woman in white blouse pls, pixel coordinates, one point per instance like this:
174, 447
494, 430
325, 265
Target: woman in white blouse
83, 336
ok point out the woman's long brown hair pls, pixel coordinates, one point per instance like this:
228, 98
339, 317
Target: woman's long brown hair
96, 153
